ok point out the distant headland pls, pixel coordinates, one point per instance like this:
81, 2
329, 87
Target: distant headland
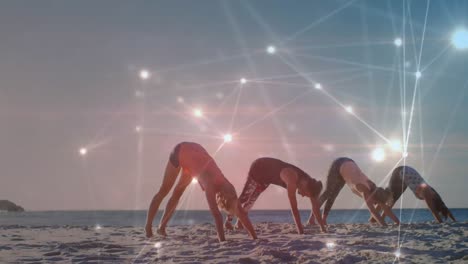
6, 205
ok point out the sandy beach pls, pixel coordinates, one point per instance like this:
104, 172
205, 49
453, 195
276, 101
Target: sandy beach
278, 243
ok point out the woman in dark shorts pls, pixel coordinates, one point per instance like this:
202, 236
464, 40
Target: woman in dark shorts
406, 176
266, 171
345, 170
193, 160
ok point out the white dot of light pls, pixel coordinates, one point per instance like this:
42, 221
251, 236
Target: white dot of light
397, 253
144, 74
349, 109
271, 49
227, 138
318, 86
138, 129
194, 181
330, 245
418, 74
460, 39
378, 154
292, 127
158, 245
98, 227
395, 144
83, 151
405, 154
398, 42
219, 95
180, 99
197, 112
139, 94
243, 80
328, 147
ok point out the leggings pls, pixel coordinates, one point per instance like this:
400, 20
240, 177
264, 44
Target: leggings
335, 183
250, 193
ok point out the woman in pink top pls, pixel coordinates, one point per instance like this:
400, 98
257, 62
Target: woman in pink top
345, 170
194, 161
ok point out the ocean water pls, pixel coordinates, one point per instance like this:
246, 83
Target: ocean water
137, 218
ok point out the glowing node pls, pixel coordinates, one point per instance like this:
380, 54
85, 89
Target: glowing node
349, 109
227, 138
292, 127
330, 245
98, 227
144, 74
460, 39
271, 49
194, 181
83, 151
197, 112
243, 81
180, 99
328, 147
318, 86
139, 94
397, 253
158, 245
405, 154
219, 95
418, 74
395, 145
138, 129
398, 42
378, 154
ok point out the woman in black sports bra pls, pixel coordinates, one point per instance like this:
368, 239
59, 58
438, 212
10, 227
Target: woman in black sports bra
266, 171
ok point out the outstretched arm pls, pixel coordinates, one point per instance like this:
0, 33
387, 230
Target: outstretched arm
370, 205
211, 198
318, 215
388, 212
289, 176
295, 211
244, 219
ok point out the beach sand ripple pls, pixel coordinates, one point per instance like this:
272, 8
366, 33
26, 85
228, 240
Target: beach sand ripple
278, 243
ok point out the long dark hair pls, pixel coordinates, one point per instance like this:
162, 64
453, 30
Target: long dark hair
382, 195
440, 205
314, 186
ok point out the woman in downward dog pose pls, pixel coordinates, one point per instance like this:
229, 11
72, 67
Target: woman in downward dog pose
193, 160
345, 170
266, 171
404, 177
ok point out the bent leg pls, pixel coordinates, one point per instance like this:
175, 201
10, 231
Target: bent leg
170, 176
184, 181
250, 194
335, 183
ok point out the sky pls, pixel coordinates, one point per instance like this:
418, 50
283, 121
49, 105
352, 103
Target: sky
70, 79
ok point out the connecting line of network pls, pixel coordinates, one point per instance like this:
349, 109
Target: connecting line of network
459, 40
